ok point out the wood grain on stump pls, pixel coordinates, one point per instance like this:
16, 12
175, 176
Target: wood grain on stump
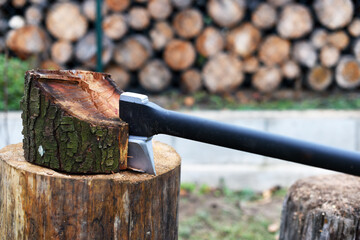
40, 203
322, 207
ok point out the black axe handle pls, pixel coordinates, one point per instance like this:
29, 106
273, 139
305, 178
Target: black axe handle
148, 119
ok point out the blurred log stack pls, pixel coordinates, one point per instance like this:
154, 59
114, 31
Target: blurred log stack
220, 45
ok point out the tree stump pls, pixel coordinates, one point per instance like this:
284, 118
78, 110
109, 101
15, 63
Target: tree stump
39, 203
322, 207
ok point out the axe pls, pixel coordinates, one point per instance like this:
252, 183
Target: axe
147, 119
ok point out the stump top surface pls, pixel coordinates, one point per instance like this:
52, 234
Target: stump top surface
165, 157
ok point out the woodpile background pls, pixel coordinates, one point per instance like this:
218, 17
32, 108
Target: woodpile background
218, 45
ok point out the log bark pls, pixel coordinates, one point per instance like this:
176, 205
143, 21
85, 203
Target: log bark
243, 40
155, 76
119, 75
33, 15
188, 23
267, 79
348, 72
322, 207
46, 204
61, 51
139, 18
191, 81
274, 50
334, 14
329, 56
264, 16
209, 42
222, 73
295, 21
226, 13
319, 78
117, 5
161, 34
114, 26
88, 7
179, 54
251, 64
290, 69
354, 27
319, 38
159, 9
339, 39
65, 21
69, 126
304, 53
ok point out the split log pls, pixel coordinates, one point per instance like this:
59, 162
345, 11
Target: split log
329, 56
139, 18
243, 40
131, 54
334, 14
226, 13
304, 53
267, 79
155, 76
290, 69
182, 4
61, 51
354, 27
251, 64
188, 23
179, 54
319, 38
339, 39
348, 73
46, 204
191, 81
222, 73
71, 122
357, 50
65, 21
33, 15
50, 65
117, 5
119, 75
161, 34
16, 22
319, 78
114, 26
279, 3
86, 50
159, 9
322, 207
274, 50
295, 21
209, 42
18, 3
88, 7
264, 16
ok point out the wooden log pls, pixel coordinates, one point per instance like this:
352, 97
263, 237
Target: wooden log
322, 207
319, 78
119, 75
139, 18
117, 5
319, 38
191, 81
274, 50
155, 76
279, 3
71, 122
2, 44
264, 16
357, 50
18, 3
295, 21
88, 7
243, 40
209, 42
3, 25
46, 204
161, 34
267, 79
33, 15
329, 55
131, 54
222, 73
159, 9
114, 26
50, 65
65, 21
182, 4
354, 27
41, 3
179, 54
334, 14
339, 39
226, 13
61, 51
188, 23
290, 69
348, 72
16, 22
304, 53
251, 64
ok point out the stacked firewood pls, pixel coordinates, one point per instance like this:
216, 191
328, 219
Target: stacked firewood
219, 45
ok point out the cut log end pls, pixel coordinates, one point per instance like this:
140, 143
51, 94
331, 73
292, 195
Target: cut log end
319, 78
191, 81
209, 42
243, 40
267, 79
226, 13
188, 23
155, 76
348, 73
274, 50
179, 54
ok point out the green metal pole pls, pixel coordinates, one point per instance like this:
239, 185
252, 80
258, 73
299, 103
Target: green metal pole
98, 25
